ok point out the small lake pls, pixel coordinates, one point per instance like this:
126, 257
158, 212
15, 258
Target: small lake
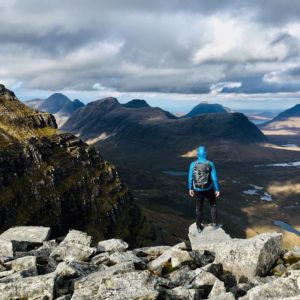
286, 227
288, 164
176, 173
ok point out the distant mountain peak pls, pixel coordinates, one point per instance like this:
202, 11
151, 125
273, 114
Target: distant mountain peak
58, 95
136, 103
204, 107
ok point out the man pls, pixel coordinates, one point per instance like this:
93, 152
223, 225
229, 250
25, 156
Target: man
203, 183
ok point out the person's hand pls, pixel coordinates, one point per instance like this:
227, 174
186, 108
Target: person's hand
191, 192
217, 193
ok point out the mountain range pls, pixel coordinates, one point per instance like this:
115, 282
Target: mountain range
152, 149
285, 127
139, 128
57, 104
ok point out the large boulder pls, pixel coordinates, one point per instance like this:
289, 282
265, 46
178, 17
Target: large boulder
36, 287
26, 265
88, 286
75, 247
112, 245
283, 287
24, 236
181, 293
130, 285
120, 257
6, 249
158, 264
242, 257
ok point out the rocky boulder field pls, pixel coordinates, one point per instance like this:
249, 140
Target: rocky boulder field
212, 266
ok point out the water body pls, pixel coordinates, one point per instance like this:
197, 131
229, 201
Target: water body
176, 173
286, 227
290, 145
258, 190
289, 164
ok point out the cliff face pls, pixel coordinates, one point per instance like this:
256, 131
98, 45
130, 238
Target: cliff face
53, 179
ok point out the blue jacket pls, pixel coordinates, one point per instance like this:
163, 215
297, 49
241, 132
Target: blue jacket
214, 177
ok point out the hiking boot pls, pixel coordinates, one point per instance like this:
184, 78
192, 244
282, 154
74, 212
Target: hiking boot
216, 225
200, 228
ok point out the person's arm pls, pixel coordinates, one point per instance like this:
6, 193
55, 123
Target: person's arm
190, 178
214, 177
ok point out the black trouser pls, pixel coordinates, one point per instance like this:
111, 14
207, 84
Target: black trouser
211, 197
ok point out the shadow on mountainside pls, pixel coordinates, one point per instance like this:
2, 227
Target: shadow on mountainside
164, 197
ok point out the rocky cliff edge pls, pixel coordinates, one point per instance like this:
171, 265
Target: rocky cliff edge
211, 266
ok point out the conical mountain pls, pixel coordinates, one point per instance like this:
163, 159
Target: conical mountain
205, 108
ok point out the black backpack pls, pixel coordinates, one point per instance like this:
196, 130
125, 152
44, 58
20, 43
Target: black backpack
202, 175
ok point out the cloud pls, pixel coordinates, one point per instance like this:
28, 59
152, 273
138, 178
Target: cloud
159, 47
217, 88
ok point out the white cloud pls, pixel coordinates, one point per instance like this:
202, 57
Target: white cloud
156, 47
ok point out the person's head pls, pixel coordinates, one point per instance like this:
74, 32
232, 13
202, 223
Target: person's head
201, 153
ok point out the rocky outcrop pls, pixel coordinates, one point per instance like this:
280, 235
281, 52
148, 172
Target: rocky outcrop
242, 257
54, 179
62, 270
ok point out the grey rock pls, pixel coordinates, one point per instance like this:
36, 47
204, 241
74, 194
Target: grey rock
88, 286
37, 287
76, 269
217, 289
262, 280
10, 276
153, 252
225, 296
242, 257
292, 256
179, 257
72, 252
183, 276
6, 248
44, 250
112, 245
6, 273
181, 293
285, 286
78, 237
75, 247
278, 270
159, 263
4, 259
295, 266
100, 258
204, 278
2, 268
24, 236
209, 239
120, 257
120, 286
65, 297
26, 265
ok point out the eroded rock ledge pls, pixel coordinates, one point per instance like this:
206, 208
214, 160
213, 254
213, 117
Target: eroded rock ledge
211, 266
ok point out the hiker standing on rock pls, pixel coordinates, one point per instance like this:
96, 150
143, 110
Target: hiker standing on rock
203, 183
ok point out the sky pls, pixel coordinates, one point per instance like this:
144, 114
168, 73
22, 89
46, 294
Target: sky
172, 53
